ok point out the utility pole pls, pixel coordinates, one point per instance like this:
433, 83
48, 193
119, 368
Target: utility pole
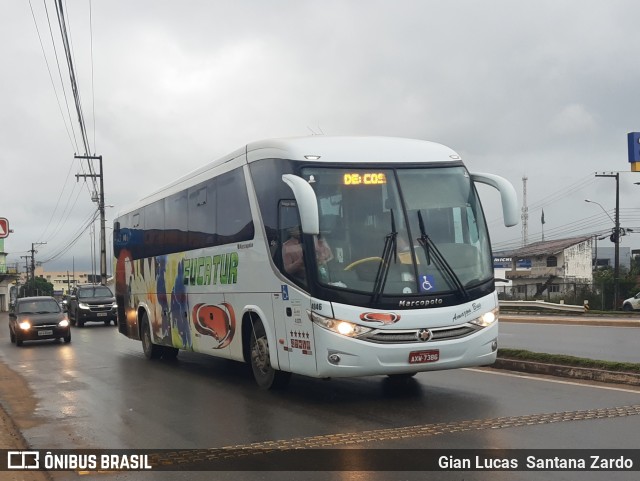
103, 249
616, 239
525, 212
26, 269
33, 260
33, 257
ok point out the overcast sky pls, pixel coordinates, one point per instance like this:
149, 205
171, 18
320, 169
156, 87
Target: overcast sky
546, 89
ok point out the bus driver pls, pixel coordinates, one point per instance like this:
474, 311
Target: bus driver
293, 255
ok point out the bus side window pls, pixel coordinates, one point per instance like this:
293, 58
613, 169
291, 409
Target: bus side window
290, 241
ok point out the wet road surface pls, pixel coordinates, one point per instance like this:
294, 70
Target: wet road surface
607, 343
100, 392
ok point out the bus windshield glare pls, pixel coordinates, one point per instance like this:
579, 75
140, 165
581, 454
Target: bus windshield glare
402, 231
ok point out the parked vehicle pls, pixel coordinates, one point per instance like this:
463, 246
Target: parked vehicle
38, 318
631, 304
92, 303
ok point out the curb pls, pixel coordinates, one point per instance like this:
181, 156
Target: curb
574, 372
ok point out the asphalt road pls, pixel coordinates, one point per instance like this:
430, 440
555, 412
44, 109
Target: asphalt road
608, 343
100, 392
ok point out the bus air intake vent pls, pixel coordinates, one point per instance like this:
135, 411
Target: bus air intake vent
388, 336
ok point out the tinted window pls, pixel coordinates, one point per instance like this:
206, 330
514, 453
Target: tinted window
233, 214
154, 228
97, 291
202, 215
211, 213
44, 306
176, 226
270, 189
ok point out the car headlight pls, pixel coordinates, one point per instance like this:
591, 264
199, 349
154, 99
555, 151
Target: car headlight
83, 305
25, 325
345, 328
487, 318
63, 323
114, 305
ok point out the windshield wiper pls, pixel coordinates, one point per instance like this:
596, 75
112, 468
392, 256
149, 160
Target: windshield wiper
428, 245
390, 248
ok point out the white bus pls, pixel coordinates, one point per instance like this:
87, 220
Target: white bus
321, 256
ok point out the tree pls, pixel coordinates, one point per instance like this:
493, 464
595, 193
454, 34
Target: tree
37, 287
603, 281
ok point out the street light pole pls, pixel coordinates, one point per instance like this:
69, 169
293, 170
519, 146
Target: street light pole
616, 239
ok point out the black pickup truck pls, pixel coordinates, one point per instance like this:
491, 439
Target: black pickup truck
92, 303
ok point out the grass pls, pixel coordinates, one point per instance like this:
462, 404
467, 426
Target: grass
564, 360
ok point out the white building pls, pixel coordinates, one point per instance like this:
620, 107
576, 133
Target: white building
557, 267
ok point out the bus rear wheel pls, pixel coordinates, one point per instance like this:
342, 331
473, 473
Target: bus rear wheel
265, 375
151, 350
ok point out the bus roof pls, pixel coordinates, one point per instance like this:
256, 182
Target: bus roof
319, 148
351, 149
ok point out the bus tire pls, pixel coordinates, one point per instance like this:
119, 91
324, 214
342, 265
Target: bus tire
151, 350
401, 377
266, 376
169, 353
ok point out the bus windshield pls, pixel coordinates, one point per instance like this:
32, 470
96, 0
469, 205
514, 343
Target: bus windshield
401, 231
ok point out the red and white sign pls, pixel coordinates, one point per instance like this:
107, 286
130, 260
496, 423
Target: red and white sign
4, 228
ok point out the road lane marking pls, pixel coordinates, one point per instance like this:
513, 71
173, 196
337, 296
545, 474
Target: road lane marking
557, 381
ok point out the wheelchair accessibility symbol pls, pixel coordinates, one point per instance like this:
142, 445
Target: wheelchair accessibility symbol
427, 283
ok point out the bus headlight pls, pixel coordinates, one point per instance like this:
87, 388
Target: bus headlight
487, 318
345, 328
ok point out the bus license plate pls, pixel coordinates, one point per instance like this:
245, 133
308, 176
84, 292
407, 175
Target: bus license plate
420, 357
45, 333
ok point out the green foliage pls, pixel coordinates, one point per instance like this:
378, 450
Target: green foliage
37, 287
603, 286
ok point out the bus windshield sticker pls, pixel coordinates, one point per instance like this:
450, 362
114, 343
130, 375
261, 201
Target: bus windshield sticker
427, 283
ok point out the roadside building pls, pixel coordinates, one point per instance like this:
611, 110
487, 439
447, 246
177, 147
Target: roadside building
605, 256
63, 281
8, 275
558, 270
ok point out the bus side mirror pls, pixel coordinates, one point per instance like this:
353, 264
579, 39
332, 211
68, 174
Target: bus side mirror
307, 203
507, 193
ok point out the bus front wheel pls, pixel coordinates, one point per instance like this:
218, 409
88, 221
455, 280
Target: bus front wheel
265, 375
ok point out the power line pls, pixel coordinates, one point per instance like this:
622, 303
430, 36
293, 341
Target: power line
55, 91
71, 243
64, 91
72, 74
93, 94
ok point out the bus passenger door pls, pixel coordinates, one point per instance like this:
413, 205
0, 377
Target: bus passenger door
295, 334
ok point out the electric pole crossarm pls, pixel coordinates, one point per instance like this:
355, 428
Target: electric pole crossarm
103, 243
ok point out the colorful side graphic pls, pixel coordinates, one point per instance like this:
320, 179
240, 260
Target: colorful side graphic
161, 284
218, 322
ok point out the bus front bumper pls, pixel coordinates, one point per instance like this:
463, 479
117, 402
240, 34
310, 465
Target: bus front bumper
340, 356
